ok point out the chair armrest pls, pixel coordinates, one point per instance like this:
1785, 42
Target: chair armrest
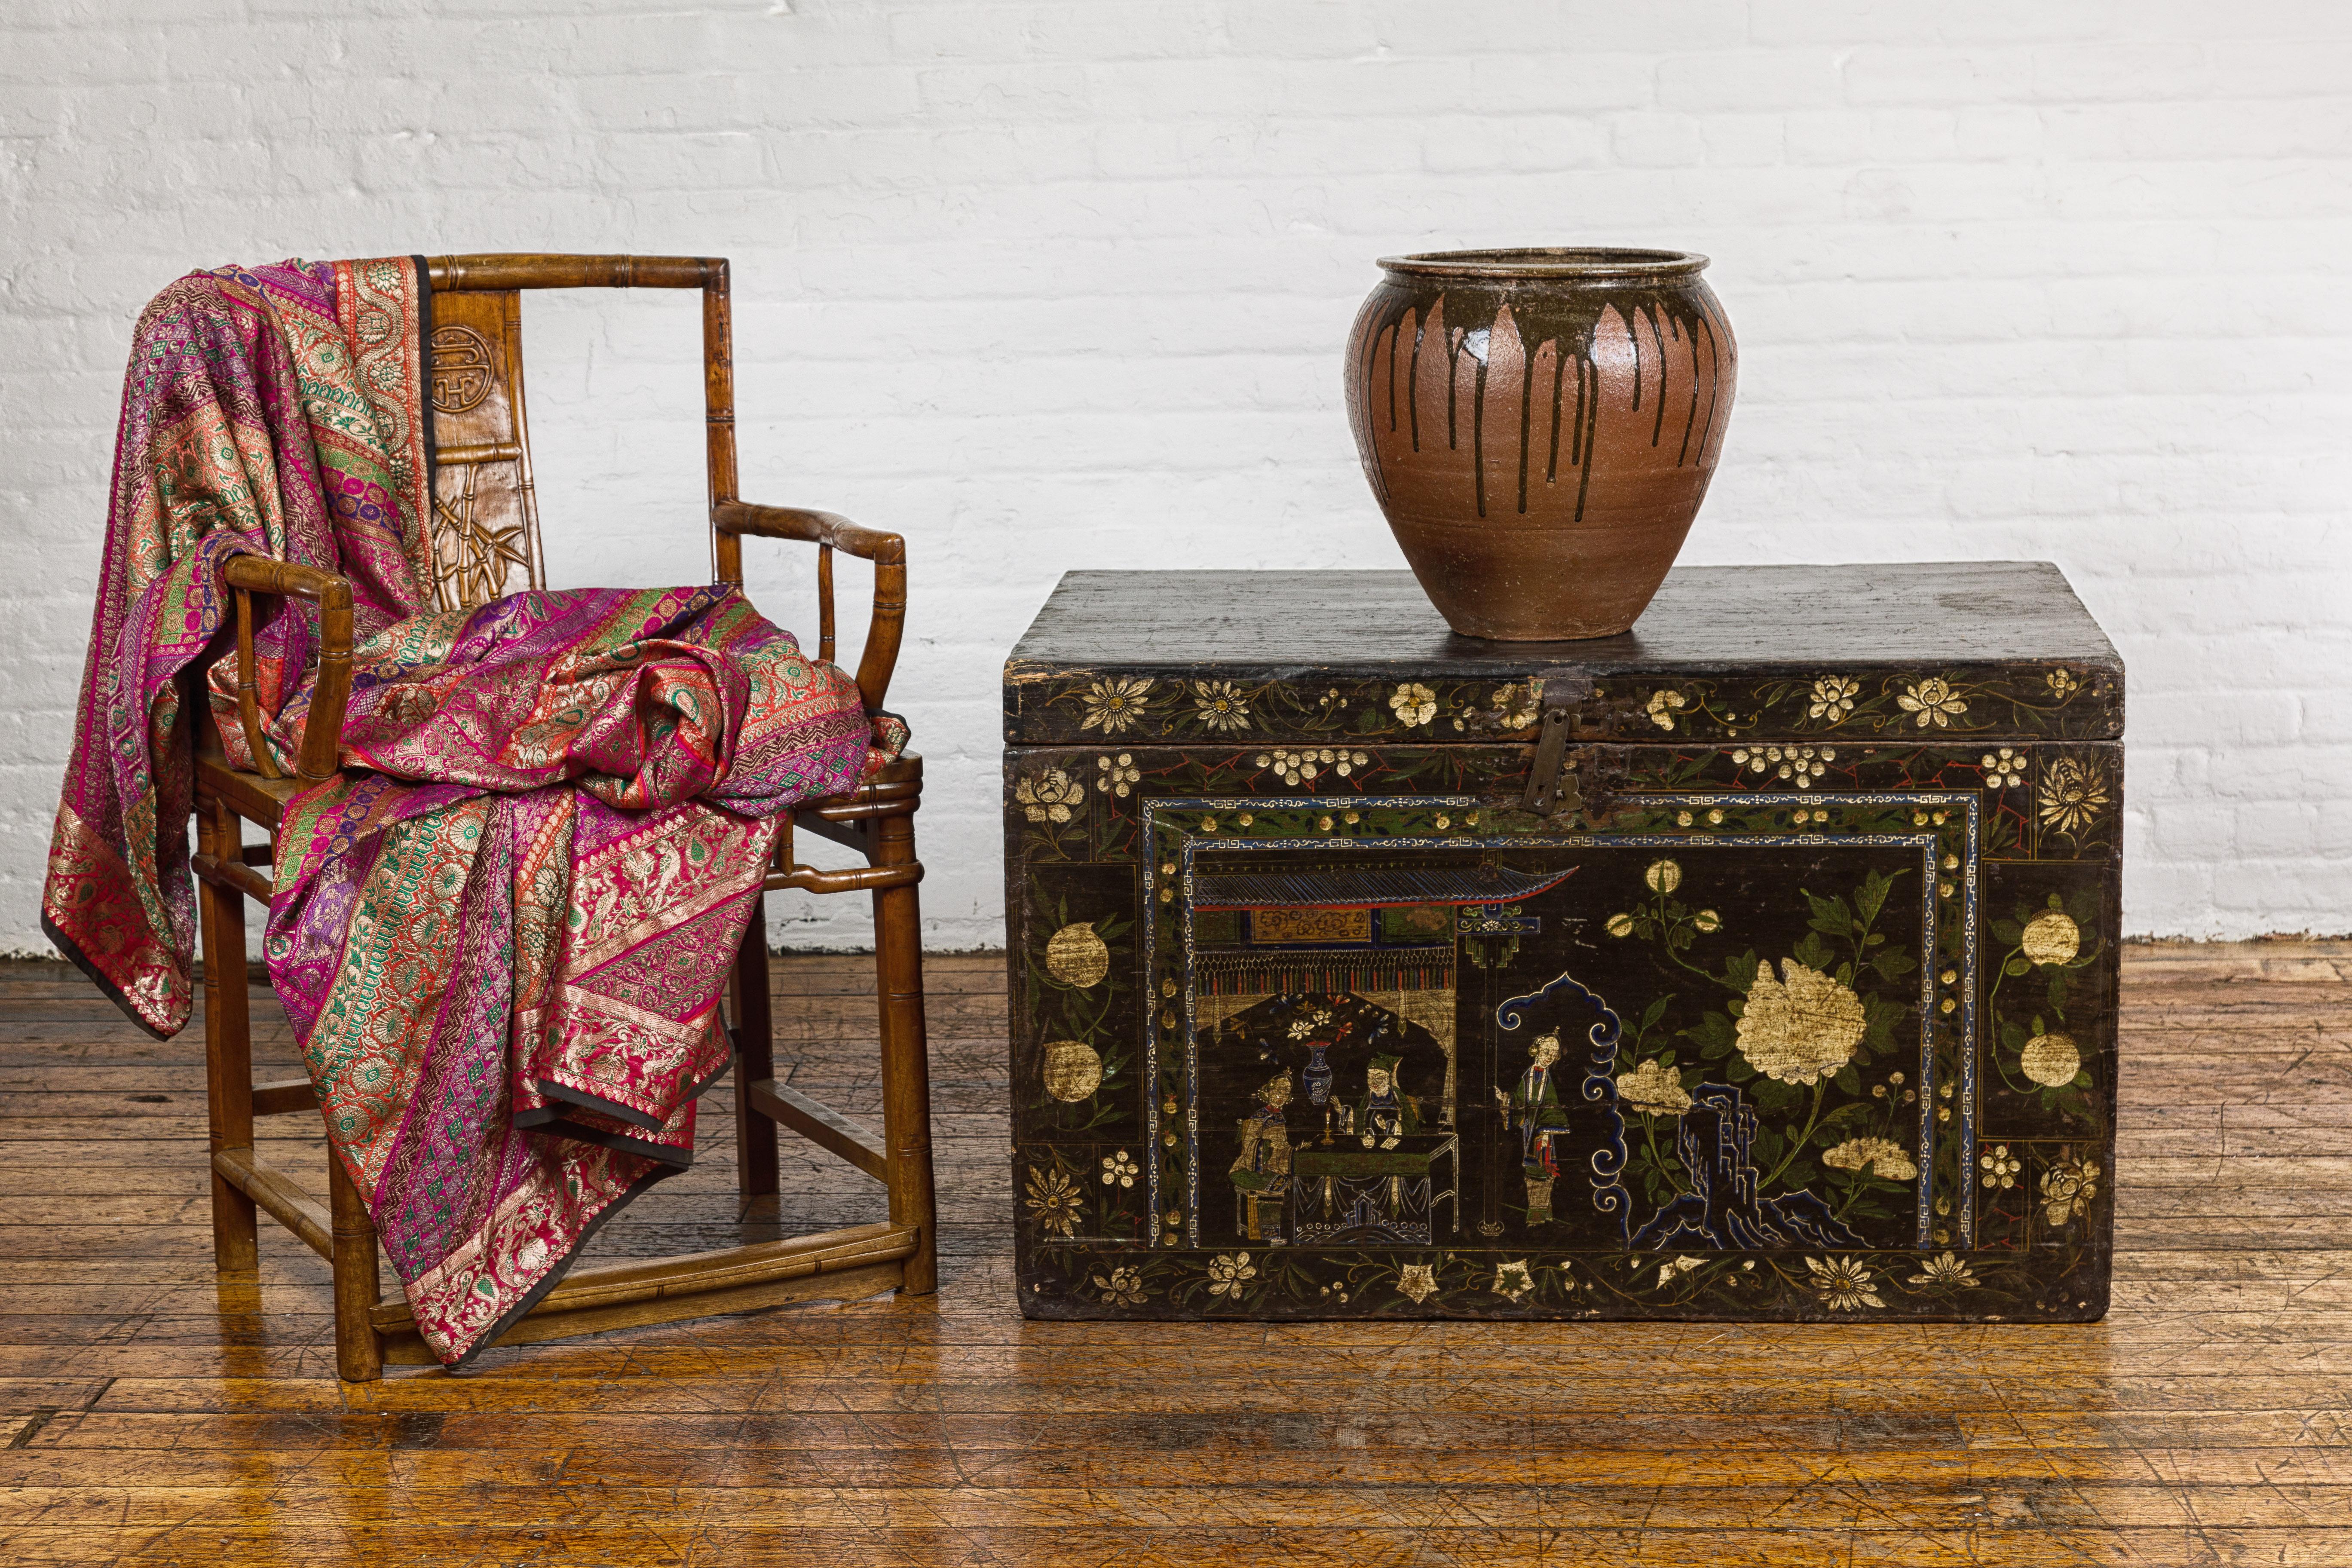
828, 532
322, 734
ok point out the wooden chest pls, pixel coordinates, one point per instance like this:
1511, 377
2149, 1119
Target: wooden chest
1759, 963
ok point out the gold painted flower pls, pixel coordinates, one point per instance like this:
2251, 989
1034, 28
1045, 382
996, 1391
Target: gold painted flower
1999, 1166
1663, 876
2071, 795
1073, 1071
1844, 1284
1707, 922
2067, 1189
1513, 1280
2052, 937
1077, 956
1119, 1168
1050, 796
1417, 1280
1229, 1272
1515, 706
1800, 1027
1115, 704
1654, 1088
1221, 705
1123, 1288
2062, 684
1934, 702
1664, 706
2003, 768
1414, 703
2051, 1061
1833, 697
1117, 775
1882, 1155
1673, 1266
1947, 1271
1621, 925
1055, 1200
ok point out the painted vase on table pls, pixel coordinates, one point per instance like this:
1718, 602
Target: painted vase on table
1539, 428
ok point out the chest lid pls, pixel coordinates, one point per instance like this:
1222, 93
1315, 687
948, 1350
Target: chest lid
1992, 649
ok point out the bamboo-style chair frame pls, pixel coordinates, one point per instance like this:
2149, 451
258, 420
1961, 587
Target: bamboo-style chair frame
875, 819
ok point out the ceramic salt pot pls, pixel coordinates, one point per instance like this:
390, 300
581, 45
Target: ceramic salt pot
1539, 428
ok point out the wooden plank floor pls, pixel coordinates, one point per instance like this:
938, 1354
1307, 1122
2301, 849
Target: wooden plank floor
151, 1414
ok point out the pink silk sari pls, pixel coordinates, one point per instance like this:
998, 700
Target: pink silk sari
500, 932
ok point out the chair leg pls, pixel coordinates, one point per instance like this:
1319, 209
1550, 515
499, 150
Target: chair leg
229, 1039
906, 1054
755, 1058
359, 1348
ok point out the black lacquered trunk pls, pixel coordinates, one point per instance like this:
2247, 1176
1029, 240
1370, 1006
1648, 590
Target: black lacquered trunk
1759, 963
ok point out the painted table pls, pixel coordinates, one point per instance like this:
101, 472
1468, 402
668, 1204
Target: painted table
1757, 964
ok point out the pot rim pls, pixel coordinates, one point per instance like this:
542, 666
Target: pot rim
1575, 263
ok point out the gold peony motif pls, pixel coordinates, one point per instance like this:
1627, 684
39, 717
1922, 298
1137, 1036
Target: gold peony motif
1418, 1281
1073, 1071
1115, 704
1947, 1271
1123, 1288
1055, 1200
2067, 1189
1844, 1284
1229, 1272
1414, 703
1050, 796
2051, 1061
1513, 1280
1801, 1027
1654, 1088
1077, 956
1833, 697
1221, 705
2071, 795
2050, 937
1664, 876
1934, 702
1664, 706
1882, 1155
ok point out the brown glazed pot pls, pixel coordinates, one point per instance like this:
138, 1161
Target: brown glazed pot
1539, 428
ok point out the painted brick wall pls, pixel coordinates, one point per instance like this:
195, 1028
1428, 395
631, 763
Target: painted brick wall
1058, 285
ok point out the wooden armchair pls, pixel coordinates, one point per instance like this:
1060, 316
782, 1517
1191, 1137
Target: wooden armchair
486, 535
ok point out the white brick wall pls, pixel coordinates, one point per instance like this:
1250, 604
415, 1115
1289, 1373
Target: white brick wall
1057, 285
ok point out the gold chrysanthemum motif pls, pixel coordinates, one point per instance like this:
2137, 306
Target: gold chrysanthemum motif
1800, 1027
1077, 956
1073, 1071
2051, 1061
2052, 937
1843, 1284
2072, 794
1884, 1155
1654, 1088
1115, 704
1055, 1199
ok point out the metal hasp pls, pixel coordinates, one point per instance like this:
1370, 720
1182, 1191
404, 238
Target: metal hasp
1553, 785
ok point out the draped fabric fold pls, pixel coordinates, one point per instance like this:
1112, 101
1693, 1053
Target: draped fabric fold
500, 931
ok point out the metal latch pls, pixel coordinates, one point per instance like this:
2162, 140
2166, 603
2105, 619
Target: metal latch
1553, 785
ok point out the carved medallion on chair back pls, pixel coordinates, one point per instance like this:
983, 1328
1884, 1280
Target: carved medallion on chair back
485, 513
